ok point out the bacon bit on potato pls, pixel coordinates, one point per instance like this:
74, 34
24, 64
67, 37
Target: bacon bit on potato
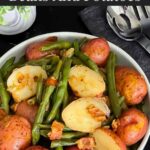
51, 81
57, 129
96, 113
115, 124
86, 143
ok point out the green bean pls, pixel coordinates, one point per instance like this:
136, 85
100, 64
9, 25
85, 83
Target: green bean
59, 148
7, 64
84, 58
44, 126
61, 90
7, 67
76, 61
57, 45
4, 95
65, 99
108, 121
66, 129
110, 73
83, 41
43, 105
39, 89
58, 143
44, 133
40, 62
72, 135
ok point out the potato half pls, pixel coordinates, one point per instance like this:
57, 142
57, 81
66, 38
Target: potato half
85, 114
85, 82
23, 81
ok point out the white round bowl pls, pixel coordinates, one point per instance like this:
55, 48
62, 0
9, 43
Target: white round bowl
123, 59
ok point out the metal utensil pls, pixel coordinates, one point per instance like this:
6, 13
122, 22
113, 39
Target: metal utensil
132, 30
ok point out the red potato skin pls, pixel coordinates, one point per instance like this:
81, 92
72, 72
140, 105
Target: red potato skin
133, 125
72, 148
36, 148
27, 111
2, 113
34, 50
98, 50
15, 133
130, 84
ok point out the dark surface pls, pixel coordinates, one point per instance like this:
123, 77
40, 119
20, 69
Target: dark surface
52, 19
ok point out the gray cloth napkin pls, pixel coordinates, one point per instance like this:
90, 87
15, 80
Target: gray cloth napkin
94, 18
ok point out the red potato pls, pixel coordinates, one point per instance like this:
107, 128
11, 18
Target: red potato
71, 148
15, 133
133, 125
34, 50
107, 140
98, 50
130, 84
36, 148
2, 113
27, 110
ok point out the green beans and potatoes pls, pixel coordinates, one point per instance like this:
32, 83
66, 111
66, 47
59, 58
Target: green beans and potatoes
110, 72
84, 58
80, 58
61, 90
57, 45
43, 105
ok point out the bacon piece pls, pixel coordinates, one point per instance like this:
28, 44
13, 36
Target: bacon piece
86, 143
51, 81
56, 132
115, 124
96, 113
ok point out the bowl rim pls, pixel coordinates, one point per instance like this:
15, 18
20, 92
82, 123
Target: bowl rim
8, 54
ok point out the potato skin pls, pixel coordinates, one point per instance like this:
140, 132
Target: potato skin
36, 148
15, 133
27, 111
130, 84
107, 139
78, 117
85, 82
97, 49
133, 126
33, 51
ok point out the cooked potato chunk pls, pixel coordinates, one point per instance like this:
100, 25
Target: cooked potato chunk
22, 82
86, 82
85, 114
107, 140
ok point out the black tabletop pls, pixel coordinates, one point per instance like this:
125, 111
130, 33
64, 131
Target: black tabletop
49, 19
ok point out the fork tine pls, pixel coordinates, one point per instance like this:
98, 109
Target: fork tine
144, 11
147, 8
136, 12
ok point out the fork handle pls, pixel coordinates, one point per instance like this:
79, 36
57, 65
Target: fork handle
144, 42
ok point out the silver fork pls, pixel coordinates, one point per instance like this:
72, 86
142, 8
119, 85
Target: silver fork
142, 13
133, 30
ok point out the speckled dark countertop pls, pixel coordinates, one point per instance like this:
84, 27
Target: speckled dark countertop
52, 19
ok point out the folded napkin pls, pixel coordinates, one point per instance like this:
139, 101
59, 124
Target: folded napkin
94, 18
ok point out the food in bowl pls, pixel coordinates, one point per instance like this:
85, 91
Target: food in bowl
70, 98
